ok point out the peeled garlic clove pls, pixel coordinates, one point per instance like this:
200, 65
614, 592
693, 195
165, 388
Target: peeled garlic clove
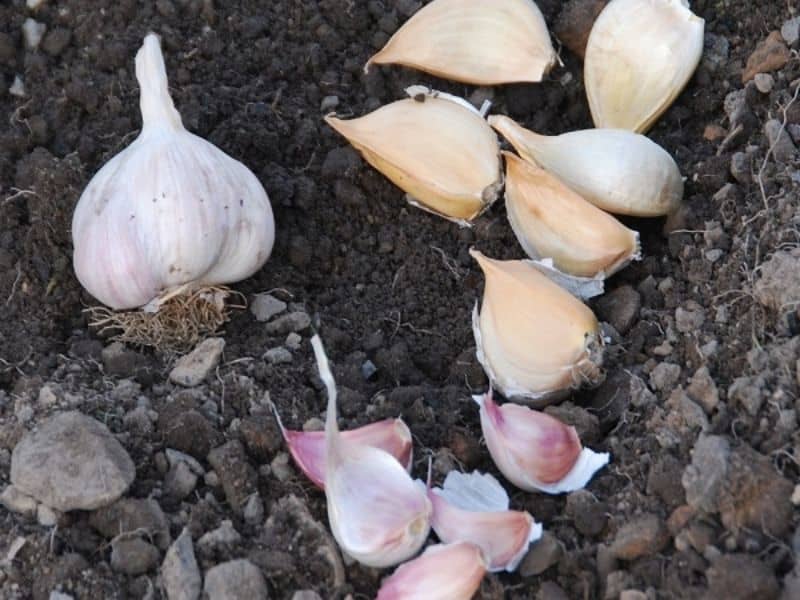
640, 55
170, 210
552, 221
377, 514
474, 508
473, 41
534, 339
616, 170
443, 571
534, 450
441, 152
308, 447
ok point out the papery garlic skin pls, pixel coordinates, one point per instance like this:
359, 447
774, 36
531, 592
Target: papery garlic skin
442, 572
170, 210
474, 41
377, 514
534, 339
534, 451
552, 221
443, 154
639, 57
617, 170
308, 447
465, 510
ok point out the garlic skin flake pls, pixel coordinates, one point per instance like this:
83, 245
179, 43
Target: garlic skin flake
534, 451
474, 508
439, 151
170, 210
617, 170
308, 447
639, 57
377, 513
474, 41
552, 221
534, 339
443, 571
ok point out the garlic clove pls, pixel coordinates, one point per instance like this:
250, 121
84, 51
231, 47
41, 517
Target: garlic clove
474, 508
617, 170
639, 57
473, 41
443, 571
534, 339
552, 221
170, 211
535, 451
441, 152
377, 513
308, 447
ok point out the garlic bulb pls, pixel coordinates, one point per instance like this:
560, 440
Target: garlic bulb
552, 221
474, 508
617, 170
534, 340
474, 41
640, 55
439, 150
308, 447
170, 210
377, 514
535, 451
442, 572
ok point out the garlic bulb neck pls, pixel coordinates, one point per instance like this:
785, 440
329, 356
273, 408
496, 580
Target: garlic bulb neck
158, 109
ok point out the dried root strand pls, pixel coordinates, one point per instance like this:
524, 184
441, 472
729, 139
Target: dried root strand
177, 325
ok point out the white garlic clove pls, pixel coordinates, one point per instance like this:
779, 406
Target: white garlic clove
552, 221
170, 210
617, 170
443, 571
473, 41
534, 339
377, 513
534, 451
308, 447
640, 55
440, 151
474, 508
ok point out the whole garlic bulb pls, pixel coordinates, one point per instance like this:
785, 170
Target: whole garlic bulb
170, 210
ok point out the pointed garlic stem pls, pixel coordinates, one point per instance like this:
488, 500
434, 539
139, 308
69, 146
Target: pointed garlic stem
155, 101
331, 426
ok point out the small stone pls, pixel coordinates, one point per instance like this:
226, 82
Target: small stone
796, 495
764, 82
253, 512
293, 341
741, 577
543, 554
133, 514
643, 535
33, 32
620, 308
747, 391
368, 370
778, 285
783, 148
770, 55
280, 468
192, 369
133, 556
714, 132
266, 306
740, 167
179, 571
17, 88
703, 390
72, 462
703, 478
278, 356
292, 322
224, 535
588, 514
328, 104
665, 376
18, 502
790, 31
235, 580
176, 456
46, 516
306, 595
689, 319
35, 4
180, 481
47, 397
238, 478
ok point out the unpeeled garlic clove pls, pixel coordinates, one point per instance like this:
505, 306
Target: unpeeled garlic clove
377, 513
443, 571
617, 170
308, 447
439, 150
535, 451
474, 41
474, 508
534, 339
552, 221
640, 55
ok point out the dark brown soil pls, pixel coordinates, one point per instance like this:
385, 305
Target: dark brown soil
393, 285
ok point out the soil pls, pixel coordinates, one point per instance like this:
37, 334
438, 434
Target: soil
393, 285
